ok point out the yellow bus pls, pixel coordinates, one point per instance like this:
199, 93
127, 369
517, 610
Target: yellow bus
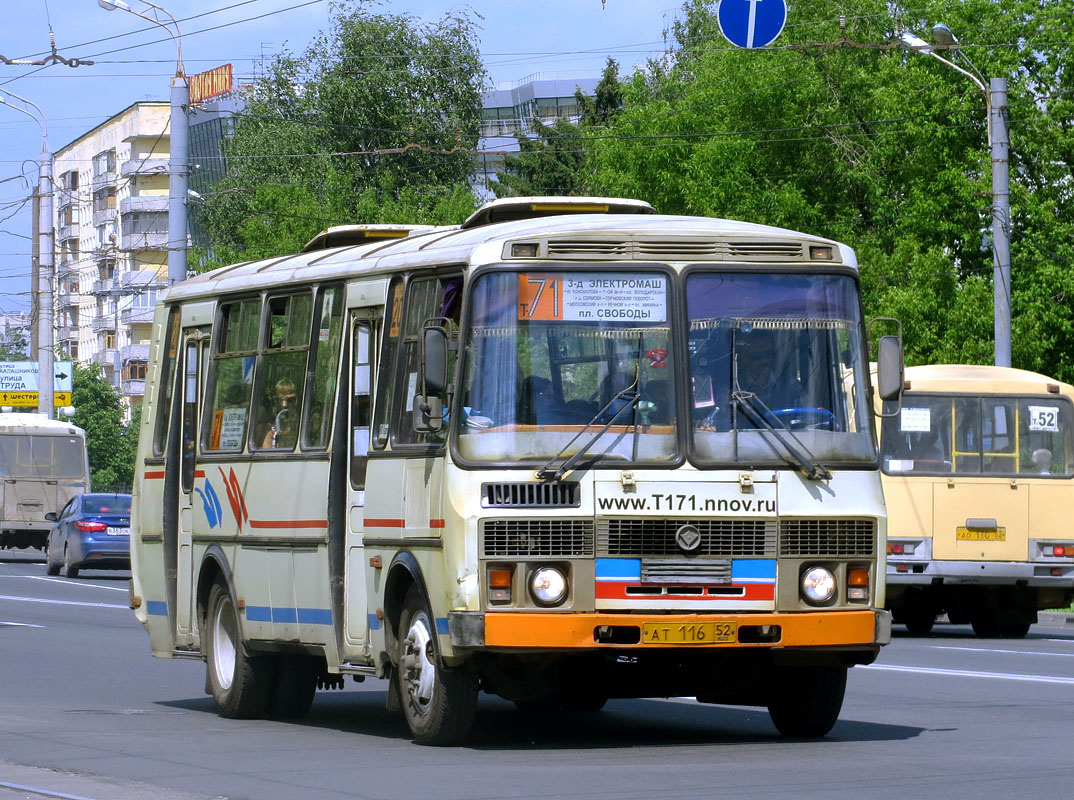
979, 479
559, 459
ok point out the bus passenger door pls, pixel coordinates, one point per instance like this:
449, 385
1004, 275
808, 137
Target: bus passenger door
195, 343
364, 329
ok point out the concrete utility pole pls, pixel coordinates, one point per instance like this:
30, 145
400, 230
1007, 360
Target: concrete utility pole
995, 97
45, 248
35, 276
178, 162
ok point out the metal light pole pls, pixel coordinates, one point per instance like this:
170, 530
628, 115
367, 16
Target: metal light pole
45, 271
995, 97
178, 167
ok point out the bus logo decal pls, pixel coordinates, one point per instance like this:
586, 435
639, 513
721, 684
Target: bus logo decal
234, 496
214, 512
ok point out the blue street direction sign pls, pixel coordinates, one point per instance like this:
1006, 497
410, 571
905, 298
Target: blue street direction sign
18, 383
752, 23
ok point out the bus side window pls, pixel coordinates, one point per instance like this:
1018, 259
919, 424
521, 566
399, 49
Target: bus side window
385, 393
324, 360
282, 371
361, 397
166, 379
426, 297
231, 374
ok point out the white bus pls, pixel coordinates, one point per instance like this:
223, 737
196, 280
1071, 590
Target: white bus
537, 458
43, 464
979, 478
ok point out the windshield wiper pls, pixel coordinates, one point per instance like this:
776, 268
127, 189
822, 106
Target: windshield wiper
809, 465
630, 394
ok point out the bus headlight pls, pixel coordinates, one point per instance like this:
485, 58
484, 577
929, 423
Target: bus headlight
548, 586
818, 585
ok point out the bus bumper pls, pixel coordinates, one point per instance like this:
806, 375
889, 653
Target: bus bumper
563, 631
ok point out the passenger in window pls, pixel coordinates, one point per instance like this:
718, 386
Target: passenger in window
1042, 461
283, 433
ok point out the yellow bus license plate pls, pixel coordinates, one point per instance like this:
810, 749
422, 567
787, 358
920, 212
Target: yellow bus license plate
689, 632
986, 535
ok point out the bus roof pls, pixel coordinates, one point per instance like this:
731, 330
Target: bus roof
510, 209
979, 379
579, 238
32, 422
344, 235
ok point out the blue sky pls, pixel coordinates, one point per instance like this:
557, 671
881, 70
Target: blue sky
134, 61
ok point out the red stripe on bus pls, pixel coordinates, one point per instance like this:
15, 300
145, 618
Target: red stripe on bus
436, 523
385, 523
199, 473
154, 475
617, 590
289, 523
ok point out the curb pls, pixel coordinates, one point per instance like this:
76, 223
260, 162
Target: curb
1055, 619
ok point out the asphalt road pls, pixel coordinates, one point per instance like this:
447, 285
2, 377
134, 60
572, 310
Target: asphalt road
87, 713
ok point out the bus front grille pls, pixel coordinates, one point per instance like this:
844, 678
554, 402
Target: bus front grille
557, 538
528, 494
827, 537
656, 537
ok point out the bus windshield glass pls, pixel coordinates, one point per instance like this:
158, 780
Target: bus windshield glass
776, 359
42, 456
991, 435
558, 363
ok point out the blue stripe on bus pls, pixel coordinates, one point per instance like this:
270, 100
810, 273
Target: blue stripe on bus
285, 615
157, 608
374, 623
753, 569
442, 626
618, 569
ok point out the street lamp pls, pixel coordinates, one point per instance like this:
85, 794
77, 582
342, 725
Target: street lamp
178, 166
44, 359
995, 97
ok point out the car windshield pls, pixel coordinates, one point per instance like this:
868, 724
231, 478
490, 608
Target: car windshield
561, 363
980, 435
107, 504
772, 353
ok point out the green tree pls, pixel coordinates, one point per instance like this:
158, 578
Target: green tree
839, 132
371, 124
15, 348
111, 445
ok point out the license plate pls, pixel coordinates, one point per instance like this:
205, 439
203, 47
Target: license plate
689, 632
985, 535
115, 531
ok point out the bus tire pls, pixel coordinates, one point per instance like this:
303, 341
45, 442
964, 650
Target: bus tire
919, 623
239, 683
439, 703
293, 687
69, 569
984, 625
805, 701
1018, 630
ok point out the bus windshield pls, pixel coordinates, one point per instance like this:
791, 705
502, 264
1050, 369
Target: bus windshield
42, 456
554, 359
771, 353
974, 435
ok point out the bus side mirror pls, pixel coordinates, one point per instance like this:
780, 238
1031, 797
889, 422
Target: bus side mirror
889, 372
432, 379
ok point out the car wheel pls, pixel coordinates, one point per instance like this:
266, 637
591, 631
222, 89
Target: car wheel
51, 567
69, 569
439, 703
240, 684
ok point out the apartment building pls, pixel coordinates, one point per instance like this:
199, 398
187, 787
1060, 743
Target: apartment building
111, 242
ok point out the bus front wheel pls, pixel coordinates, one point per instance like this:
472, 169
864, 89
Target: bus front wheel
239, 683
439, 703
805, 701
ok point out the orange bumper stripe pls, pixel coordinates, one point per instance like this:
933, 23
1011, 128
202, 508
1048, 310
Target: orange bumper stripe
551, 630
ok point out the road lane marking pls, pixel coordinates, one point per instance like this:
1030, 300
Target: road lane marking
1019, 652
6, 624
68, 582
44, 792
965, 673
63, 602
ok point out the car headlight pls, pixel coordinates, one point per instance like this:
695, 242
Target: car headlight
818, 585
548, 586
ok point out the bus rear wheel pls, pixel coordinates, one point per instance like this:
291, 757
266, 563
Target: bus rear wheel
293, 687
439, 703
239, 683
805, 701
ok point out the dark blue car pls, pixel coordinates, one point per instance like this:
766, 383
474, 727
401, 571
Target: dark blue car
91, 532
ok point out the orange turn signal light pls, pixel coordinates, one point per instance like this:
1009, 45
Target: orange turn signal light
500, 578
858, 576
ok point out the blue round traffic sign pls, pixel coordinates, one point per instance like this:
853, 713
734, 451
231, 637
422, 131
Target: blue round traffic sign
751, 23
